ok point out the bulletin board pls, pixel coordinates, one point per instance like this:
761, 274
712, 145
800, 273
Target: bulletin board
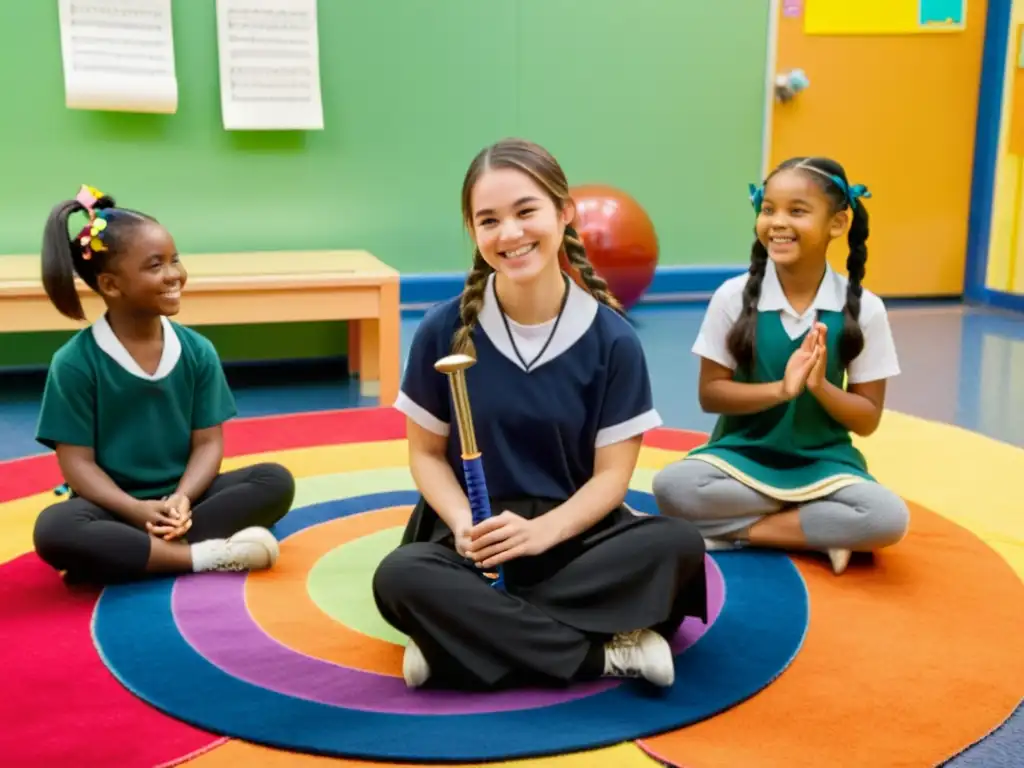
884, 17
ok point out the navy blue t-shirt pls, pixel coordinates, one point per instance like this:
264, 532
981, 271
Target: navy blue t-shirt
538, 430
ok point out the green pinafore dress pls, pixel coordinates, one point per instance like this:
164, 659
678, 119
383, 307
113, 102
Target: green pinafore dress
793, 451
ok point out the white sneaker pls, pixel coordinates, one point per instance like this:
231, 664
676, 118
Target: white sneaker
251, 549
642, 653
720, 545
840, 558
415, 669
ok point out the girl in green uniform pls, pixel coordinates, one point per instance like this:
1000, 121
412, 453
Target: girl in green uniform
794, 358
133, 407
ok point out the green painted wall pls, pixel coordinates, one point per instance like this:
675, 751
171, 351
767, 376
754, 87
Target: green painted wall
664, 99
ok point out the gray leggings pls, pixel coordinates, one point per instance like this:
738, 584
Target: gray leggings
860, 517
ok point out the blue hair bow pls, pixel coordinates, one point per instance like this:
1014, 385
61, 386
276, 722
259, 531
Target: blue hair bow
852, 194
857, 191
756, 196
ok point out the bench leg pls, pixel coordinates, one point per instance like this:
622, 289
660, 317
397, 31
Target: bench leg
369, 358
353, 347
379, 344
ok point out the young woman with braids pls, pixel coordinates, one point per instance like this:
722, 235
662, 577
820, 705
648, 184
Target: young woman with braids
133, 407
794, 358
560, 398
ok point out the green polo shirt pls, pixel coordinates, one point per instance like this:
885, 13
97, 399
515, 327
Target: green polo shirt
139, 425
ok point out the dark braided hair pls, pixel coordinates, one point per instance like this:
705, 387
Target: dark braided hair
65, 256
576, 255
470, 305
539, 164
741, 337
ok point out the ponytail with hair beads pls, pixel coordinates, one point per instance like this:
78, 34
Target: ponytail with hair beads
83, 255
90, 239
89, 252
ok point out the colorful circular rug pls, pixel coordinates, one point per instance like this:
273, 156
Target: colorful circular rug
298, 658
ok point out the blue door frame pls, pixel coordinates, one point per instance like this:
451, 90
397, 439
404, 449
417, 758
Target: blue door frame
986, 158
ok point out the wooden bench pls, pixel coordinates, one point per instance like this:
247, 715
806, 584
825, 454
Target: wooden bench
258, 287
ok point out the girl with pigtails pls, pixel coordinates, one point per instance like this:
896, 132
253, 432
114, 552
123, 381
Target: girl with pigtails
561, 398
794, 358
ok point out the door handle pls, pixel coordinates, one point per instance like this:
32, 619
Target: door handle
788, 84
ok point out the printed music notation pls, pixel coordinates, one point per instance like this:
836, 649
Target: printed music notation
269, 64
118, 55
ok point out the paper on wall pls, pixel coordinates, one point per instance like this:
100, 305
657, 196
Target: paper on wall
884, 17
269, 65
118, 55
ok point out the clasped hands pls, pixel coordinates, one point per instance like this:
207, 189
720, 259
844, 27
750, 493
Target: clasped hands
169, 518
806, 366
502, 538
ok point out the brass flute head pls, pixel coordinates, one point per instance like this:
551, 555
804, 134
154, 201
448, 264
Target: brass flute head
453, 363
454, 366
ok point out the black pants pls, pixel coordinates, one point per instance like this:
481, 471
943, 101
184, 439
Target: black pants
95, 546
549, 626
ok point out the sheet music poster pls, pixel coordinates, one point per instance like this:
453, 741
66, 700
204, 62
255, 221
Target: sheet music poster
118, 55
269, 65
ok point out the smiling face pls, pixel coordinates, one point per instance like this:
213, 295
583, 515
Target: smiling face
798, 219
147, 276
516, 224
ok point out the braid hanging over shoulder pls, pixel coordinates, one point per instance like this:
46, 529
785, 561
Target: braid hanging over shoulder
471, 303
742, 335
845, 196
576, 254
851, 342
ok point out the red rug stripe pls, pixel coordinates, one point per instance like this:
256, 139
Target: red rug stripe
243, 437
60, 705
312, 430
29, 476
39, 474
674, 439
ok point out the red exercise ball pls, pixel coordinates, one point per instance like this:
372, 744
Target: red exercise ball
619, 237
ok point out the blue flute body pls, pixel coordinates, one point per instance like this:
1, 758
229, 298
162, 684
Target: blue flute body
454, 366
479, 501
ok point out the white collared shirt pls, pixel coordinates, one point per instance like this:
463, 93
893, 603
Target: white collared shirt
577, 318
878, 359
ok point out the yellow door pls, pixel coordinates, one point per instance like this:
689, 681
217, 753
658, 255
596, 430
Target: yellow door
898, 111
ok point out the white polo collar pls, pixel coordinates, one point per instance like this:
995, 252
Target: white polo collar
108, 342
831, 295
580, 312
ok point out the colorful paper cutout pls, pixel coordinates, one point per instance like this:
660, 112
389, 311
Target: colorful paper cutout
884, 17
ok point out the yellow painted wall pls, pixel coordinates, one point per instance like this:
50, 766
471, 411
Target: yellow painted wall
1005, 252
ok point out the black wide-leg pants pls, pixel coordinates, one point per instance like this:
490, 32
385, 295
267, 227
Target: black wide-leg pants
629, 572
